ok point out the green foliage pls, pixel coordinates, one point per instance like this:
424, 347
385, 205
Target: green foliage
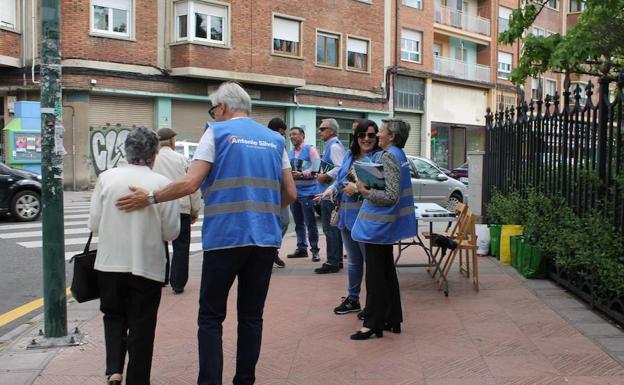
594, 45
504, 209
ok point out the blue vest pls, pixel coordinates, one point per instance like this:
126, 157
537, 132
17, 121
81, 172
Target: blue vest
242, 192
349, 207
387, 225
327, 158
305, 187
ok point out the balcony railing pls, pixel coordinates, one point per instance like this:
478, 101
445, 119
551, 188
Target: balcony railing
462, 20
460, 69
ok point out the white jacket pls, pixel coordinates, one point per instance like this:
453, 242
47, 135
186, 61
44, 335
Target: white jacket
132, 242
173, 165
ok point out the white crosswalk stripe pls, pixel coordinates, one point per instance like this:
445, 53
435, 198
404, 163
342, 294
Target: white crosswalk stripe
28, 235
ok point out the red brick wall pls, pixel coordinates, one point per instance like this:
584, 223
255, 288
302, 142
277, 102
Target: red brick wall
417, 20
10, 44
77, 42
252, 39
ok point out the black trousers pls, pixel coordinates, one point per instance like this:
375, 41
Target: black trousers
252, 266
130, 306
180, 259
383, 298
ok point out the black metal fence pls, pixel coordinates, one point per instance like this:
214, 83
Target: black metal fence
569, 147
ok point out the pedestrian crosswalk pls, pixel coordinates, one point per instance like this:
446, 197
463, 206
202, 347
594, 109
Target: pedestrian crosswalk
29, 236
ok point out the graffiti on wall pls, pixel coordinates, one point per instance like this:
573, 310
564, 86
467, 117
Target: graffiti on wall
107, 148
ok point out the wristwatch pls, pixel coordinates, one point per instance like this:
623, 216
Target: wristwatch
151, 198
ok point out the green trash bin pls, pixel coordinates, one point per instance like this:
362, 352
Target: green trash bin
495, 237
514, 242
535, 265
523, 252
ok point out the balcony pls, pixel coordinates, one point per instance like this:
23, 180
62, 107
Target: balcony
462, 20
460, 69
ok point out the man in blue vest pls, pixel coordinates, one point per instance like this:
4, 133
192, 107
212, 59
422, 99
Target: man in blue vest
333, 154
245, 177
304, 159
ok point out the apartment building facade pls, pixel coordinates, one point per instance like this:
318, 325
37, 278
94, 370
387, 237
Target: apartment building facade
154, 63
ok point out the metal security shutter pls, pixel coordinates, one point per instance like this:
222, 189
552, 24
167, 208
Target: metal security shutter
264, 114
115, 110
412, 147
189, 119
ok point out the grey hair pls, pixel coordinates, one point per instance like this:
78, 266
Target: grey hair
141, 145
400, 128
233, 96
332, 124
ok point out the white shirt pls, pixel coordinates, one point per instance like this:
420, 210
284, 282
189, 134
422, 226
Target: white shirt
336, 154
132, 242
173, 165
206, 149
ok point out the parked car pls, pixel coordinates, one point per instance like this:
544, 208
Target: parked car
20, 193
431, 185
460, 173
186, 148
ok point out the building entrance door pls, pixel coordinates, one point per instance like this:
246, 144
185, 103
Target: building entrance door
458, 147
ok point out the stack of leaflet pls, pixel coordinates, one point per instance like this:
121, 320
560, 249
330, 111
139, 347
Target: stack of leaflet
370, 174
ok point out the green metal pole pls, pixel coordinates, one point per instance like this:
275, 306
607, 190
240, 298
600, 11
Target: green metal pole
54, 297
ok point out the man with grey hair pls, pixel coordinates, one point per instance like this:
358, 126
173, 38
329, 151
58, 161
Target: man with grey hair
131, 258
173, 165
244, 173
331, 162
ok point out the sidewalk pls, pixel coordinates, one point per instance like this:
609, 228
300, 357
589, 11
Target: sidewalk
512, 332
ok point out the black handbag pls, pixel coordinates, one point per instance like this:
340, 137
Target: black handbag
84, 285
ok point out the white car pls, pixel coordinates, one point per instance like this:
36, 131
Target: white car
186, 148
431, 185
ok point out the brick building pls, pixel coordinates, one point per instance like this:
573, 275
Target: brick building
435, 63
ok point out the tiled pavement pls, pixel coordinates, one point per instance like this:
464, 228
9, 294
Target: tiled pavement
512, 332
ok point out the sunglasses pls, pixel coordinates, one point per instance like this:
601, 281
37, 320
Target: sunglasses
211, 111
369, 135
323, 128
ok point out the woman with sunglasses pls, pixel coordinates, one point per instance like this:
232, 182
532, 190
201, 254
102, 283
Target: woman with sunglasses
386, 217
364, 145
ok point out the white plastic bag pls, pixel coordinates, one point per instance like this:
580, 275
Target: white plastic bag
483, 239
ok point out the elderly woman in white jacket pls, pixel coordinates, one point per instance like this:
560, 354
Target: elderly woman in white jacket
131, 259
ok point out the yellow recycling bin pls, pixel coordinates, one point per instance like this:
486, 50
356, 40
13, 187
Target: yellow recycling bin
505, 243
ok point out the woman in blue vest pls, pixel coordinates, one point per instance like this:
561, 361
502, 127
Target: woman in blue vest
386, 217
364, 145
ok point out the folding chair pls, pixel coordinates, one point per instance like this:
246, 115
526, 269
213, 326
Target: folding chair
461, 211
466, 241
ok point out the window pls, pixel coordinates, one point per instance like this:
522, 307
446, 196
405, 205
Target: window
357, 54
577, 5
410, 93
537, 31
504, 15
111, 17
582, 94
551, 87
505, 101
536, 88
424, 170
207, 23
327, 49
553, 4
412, 3
8, 14
286, 36
410, 45
504, 64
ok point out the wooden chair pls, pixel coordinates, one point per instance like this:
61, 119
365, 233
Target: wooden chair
466, 239
461, 210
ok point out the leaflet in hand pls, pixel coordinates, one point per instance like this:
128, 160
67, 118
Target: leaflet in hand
325, 167
370, 174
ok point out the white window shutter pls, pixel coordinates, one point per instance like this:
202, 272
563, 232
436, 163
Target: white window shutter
357, 46
116, 4
285, 29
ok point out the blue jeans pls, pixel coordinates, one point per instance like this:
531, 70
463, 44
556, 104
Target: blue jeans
303, 214
332, 234
355, 259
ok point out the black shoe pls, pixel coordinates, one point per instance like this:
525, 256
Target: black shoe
279, 262
177, 291
298, 254
362, 315
348, 305
360, 335
327, 268
315, 256
394, 328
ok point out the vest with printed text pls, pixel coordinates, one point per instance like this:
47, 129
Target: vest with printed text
305, 187
242, 192
327, 158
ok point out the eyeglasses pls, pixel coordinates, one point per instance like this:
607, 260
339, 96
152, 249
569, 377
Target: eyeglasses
211, 111
323, 128
369, 135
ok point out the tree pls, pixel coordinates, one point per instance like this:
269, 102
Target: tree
593, 46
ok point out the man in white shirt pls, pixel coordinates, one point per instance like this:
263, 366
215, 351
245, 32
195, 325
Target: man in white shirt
173, 165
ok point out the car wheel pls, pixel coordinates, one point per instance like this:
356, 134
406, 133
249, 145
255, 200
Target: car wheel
454, 199
26, 206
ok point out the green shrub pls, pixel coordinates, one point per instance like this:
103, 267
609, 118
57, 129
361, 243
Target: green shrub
506, 209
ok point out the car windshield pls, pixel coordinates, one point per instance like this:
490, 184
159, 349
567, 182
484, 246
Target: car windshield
425, 169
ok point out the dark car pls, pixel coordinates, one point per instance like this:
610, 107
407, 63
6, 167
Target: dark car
20, 193
460, 173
